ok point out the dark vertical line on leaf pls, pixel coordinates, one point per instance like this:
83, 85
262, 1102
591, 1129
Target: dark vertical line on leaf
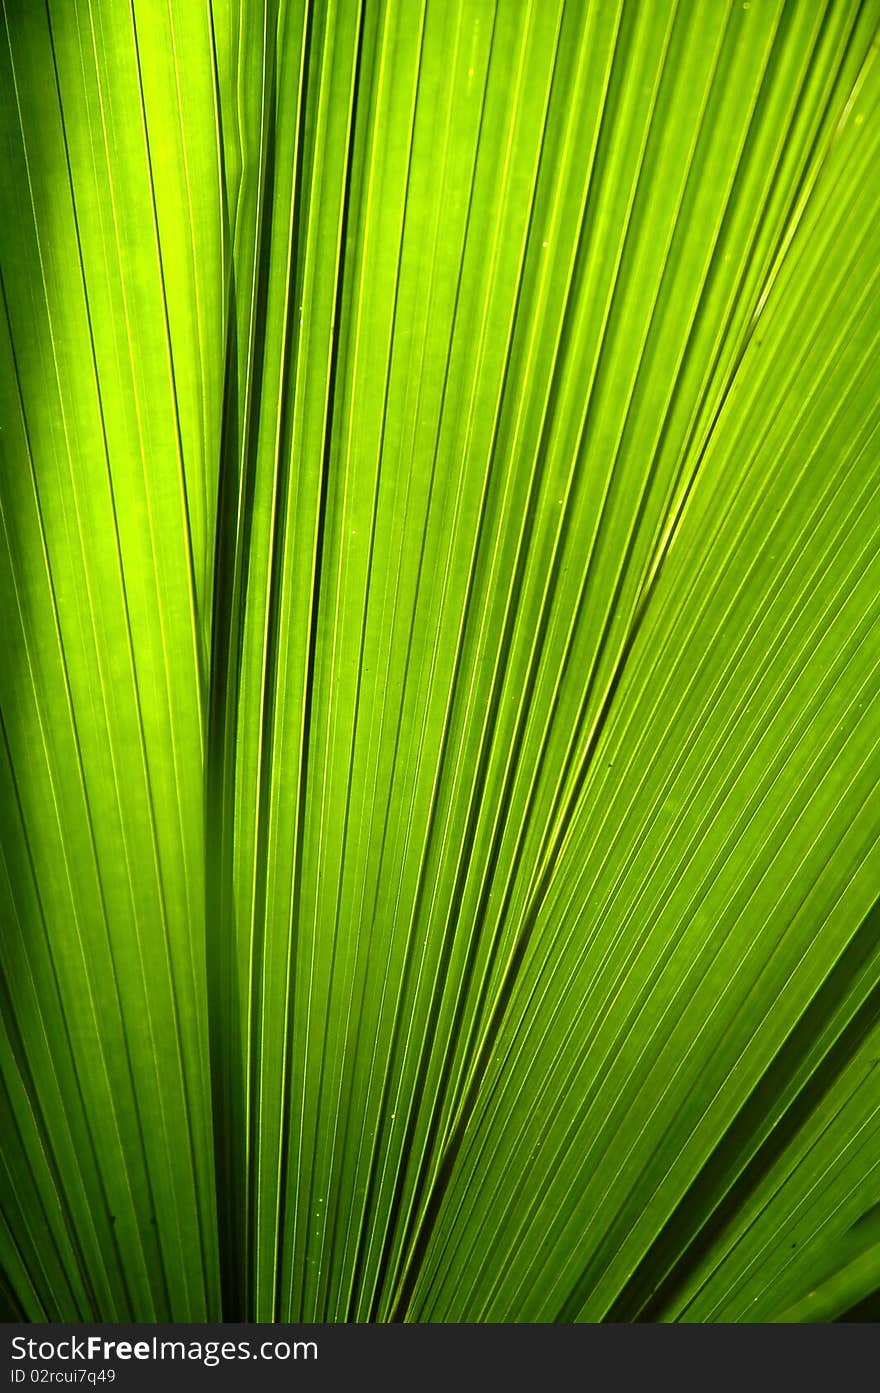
221, 969
222, 978
236, 489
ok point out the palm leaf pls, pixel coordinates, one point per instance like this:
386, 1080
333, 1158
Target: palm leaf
439, 813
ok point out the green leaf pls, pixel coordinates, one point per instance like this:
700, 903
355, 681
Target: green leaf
439, 569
